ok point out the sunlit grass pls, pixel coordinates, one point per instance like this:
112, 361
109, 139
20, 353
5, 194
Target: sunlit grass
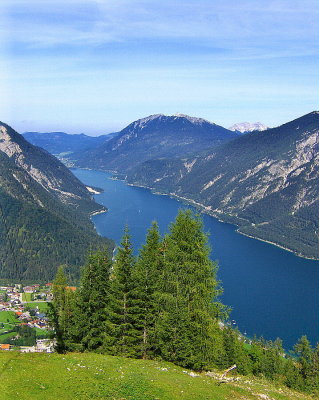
94, 376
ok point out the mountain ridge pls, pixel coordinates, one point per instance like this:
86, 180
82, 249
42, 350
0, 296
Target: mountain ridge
44, 212
264, 182
59, 143
157, 135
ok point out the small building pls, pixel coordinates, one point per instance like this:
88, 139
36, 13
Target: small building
28, 289
27, 349
45, 345
6, 347
73, 288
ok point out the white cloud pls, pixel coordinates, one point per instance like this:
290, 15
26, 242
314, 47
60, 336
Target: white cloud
94, 22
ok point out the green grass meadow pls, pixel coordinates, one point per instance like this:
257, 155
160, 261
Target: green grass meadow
42, 305
8, 317
26, 296
94, 376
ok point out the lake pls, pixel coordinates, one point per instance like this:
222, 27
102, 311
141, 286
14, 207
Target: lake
273, 293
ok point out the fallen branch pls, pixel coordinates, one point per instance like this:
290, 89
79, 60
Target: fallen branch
225, 373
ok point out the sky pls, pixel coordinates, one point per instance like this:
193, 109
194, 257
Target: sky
94, 66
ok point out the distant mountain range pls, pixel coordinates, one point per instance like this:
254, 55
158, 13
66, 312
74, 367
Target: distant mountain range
60, 143
44, 212
244, 127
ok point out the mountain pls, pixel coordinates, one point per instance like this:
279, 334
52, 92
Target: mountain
265, 182
244, 127
155, 136
59, 143
44, 212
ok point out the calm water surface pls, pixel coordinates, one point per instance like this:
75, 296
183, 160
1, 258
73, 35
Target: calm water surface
272, 292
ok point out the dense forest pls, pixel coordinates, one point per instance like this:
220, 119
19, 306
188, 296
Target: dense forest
164, 305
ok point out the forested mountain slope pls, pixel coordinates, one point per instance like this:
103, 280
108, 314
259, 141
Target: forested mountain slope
266, 182
44, 212
153, 137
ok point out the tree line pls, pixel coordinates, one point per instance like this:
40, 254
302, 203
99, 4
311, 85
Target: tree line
164, 304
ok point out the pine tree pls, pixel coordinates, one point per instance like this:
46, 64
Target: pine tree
59, 310
305, 354
146, 273
235, 352
92, 301
187, 331
121, 332
314, 375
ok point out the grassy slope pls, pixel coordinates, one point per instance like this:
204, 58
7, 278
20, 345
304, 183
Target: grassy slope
8, 317
94, 376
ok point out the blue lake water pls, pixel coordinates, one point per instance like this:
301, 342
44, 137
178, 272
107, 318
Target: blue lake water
273, 293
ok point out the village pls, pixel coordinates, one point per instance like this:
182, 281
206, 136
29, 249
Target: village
24, 324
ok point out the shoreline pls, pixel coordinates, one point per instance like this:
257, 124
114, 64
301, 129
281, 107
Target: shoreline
205, 210
97, 213
93, 191
278, 245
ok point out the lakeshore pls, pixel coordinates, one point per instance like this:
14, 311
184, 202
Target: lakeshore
271, 291
206, 210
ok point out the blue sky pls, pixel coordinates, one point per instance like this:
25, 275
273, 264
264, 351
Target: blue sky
94, 66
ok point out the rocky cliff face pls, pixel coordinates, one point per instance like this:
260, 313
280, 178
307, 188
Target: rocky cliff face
266, 182
45, 169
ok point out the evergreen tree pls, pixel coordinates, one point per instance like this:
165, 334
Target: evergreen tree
92, 301
121, 332
272, 361
292, 376
187, 331
59, 310
305, 355
146, 274
314, 375
235, 352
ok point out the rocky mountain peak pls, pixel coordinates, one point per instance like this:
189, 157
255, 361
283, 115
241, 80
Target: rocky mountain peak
141, 123
193, 120
244, 127
8, 144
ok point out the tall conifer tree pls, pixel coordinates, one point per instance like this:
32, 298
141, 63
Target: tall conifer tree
187, 330
146, 275
305, 356
59, 312
121, 332
93, 300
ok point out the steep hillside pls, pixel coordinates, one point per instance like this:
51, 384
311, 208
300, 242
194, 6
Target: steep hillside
266, 182
59, 143
96, 376
44, 212
154, 137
